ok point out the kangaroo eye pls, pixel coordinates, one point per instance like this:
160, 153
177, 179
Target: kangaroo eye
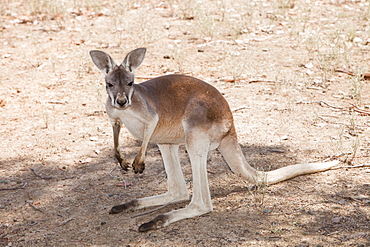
130, 83
109, 84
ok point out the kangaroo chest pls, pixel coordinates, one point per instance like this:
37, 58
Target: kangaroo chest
132, 122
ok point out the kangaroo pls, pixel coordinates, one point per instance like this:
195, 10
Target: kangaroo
170, 110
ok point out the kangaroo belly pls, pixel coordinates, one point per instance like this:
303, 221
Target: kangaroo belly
171, 134
168, 135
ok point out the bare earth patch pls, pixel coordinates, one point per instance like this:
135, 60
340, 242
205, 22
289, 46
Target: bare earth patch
276, 62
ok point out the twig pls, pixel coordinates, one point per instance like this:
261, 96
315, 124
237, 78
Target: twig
239, 108
319, 102
39, 175
359, 110
57, 102
247, 81
357, 166
344, 71
353, 107
156, 209
115, 177
256, 81
33, 206
365, 76
332, 233
15, 188
332, 106
65, 223
36, 222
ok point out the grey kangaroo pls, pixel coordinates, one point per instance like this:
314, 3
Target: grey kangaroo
170, 110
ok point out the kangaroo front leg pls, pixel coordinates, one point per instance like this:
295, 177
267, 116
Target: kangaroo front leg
177, 190
116, 130
139, 161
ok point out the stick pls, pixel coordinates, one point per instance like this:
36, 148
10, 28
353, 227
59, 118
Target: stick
359, 110
332, 233
246, 80
39, 175
256, 81
344, 71
15, 188
357, 166
319, 102
35, 223
239, 108
352, 107
32, 206
65, 223
365, 76
56, 102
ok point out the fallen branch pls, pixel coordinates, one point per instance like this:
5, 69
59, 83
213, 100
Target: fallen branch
39, 175
15, 188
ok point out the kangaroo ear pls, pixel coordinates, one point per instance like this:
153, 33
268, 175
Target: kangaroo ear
103, 61
134, 59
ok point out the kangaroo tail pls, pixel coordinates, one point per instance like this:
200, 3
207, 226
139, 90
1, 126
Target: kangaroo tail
234, 157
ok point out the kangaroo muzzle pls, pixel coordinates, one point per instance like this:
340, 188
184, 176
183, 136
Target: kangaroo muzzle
121, 100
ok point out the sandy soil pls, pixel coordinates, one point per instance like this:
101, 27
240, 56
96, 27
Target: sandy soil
275, 63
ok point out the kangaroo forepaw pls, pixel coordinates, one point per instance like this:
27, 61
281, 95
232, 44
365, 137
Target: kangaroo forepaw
124, 165
122, 161
138, 166
159, 222
124, 207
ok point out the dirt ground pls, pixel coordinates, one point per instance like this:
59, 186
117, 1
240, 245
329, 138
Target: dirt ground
277, 63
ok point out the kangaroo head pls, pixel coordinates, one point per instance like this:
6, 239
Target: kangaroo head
119, 79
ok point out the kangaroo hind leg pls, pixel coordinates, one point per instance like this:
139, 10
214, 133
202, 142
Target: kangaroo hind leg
176, 186
233, 155
197, 145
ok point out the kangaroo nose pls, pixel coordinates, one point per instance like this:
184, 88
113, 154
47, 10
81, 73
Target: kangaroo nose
121, 102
